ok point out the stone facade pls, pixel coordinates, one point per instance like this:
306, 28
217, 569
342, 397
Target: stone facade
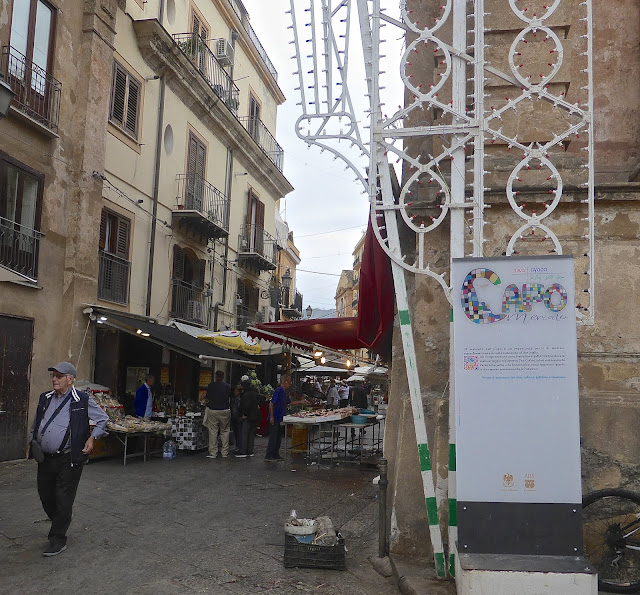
608, 350
64, 144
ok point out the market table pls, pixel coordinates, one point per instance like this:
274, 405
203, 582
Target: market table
319, 432
123, 438
357, 435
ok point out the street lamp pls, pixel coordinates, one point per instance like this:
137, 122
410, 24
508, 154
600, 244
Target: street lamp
286, 286
6, 96
309, 311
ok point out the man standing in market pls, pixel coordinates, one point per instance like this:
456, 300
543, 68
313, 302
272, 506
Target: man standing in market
217, 415
143, 403
61, 441
277, 409
250, 411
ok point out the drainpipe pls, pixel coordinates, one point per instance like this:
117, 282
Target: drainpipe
161, 13
227, 191
156, 184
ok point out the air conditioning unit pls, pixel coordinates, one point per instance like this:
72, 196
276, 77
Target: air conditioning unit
195, 311
224, 52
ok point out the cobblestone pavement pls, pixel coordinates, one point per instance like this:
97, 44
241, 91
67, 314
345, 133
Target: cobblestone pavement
191, 525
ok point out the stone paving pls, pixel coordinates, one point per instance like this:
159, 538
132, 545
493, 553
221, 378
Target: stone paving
190, 525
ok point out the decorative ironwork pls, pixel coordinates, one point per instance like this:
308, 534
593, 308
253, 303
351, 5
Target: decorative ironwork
196, 194
113, 278
19, 248
188, 302
255, 243
266, 141
37, 93
197, 51
242, 13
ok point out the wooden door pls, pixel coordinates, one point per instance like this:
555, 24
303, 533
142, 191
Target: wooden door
16, 341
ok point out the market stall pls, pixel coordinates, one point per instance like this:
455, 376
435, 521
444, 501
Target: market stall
317, 441
129, 427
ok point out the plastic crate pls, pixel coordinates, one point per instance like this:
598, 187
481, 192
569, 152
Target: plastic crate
307, 555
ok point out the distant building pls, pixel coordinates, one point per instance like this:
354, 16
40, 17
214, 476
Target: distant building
344, 295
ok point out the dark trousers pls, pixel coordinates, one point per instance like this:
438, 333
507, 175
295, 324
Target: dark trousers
236, 426
275, 438
57, 486
248, 436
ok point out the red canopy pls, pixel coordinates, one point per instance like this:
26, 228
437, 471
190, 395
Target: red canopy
371, 329
334, 333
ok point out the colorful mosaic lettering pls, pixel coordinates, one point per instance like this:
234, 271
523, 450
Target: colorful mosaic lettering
531, 294
511, 298
476, 310
564, 297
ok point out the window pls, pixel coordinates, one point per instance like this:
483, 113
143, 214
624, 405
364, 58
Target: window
199, 29
114, 234
125, 100
255, 222
254, 117
32, 26
196, 165
20, 208
114, 266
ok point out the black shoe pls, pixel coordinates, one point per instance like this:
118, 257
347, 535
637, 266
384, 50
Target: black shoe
278, 458
54, 550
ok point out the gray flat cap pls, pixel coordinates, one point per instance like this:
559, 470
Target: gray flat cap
64, 368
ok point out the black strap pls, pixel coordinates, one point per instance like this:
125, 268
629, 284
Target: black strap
55, 413
66, 437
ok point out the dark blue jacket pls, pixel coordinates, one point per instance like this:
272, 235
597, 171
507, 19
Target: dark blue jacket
140, 402
79, 422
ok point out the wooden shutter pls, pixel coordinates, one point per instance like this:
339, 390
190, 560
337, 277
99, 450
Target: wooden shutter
202, 271
133, 99
197, 157
259, 214
118, 94
122, 239
103, 230
178, 263
249, 206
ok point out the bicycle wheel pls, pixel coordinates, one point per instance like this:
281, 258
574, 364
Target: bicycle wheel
611, 527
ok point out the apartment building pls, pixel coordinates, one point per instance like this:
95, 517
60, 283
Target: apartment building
57, 61
139, 182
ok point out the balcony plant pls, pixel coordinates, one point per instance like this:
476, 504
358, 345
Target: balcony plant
193, 46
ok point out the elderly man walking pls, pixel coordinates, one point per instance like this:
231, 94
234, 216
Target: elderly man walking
61, 441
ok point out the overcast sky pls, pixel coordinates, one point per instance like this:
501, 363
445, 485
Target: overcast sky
327, 211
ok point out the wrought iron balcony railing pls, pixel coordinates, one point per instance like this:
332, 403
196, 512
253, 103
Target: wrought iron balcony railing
197, 51
113, 278
266, 141
246, 316
19, 248
37, 92
254, 241
196, 194
188, 302
241, 11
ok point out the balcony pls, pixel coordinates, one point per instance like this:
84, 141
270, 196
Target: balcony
188, 302
199, 54
256, 248
19, 249
354, 303
246, 316
37, 92
241, 11
294, 309
265, 140
113, 278
201, 207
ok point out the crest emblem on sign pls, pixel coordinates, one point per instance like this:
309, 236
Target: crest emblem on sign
507, 480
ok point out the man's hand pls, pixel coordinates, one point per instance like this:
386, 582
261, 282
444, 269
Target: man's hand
88, 445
